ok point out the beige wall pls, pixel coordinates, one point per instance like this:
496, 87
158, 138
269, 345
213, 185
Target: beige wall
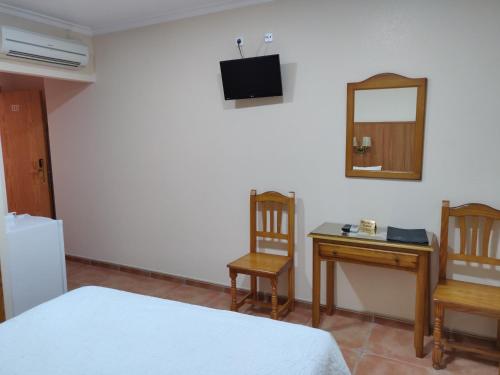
86, 74
153, 168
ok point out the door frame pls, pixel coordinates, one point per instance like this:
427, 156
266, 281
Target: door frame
49, 156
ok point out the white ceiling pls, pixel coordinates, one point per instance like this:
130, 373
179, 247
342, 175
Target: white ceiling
104, 16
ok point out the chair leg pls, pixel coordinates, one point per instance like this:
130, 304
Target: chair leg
253, 287
274, 298
234, 305
498, 334
437, 353
498, 341
291, 288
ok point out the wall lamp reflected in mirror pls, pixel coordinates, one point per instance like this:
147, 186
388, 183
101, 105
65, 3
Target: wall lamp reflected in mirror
366, 143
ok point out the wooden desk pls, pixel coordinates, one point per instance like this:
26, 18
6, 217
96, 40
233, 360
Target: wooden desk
331, 245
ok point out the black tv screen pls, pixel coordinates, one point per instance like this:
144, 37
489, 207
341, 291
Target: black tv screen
254, 77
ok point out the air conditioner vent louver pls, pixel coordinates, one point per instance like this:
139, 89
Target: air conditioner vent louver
30, 56
50, 47
27, 45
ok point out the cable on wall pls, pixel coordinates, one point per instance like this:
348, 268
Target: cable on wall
239, 42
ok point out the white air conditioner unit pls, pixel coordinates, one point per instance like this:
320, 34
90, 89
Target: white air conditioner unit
43, 48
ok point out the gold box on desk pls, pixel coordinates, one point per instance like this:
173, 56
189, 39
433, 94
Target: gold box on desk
368, 226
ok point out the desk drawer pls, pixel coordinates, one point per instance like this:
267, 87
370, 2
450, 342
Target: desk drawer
369, 256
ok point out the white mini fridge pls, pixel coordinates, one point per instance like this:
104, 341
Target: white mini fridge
33, 265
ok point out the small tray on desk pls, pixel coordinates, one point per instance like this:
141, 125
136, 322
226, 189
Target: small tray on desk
410, 236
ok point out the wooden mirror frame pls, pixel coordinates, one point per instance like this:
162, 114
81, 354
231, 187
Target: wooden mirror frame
388, 81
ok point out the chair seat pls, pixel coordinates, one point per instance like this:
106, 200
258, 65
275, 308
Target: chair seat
265, 264
464, 296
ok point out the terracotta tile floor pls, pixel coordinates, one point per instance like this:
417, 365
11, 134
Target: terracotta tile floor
369, 347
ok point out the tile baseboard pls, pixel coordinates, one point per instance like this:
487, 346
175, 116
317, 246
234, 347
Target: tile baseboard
152, 274
373, 317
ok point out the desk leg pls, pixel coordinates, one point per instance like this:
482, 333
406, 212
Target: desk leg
316, 285
427, 322
498, 334
330, 288
420, 305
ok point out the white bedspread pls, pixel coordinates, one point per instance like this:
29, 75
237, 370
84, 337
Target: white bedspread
100, 331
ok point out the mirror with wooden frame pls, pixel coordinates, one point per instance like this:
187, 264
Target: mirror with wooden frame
385, 127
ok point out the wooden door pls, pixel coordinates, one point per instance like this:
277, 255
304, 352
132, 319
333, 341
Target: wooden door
25, 153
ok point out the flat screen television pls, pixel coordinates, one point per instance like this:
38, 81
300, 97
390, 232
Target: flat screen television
253, 77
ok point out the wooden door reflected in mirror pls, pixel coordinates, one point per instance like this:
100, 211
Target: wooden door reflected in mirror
385, 127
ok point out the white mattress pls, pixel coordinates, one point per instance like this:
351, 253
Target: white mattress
100, 331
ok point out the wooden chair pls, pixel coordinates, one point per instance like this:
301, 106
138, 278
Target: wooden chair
465, 296
257, 264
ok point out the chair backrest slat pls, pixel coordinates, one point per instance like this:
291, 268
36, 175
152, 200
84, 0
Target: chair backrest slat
279, 215
271, 219
272, 235
478, 214
485, 242
272, 206
475, 259
463, 234
475, 228
264, 216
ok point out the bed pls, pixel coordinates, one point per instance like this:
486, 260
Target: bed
101, 331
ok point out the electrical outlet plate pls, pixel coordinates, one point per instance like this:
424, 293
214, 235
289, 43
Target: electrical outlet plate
240, 38
268, 37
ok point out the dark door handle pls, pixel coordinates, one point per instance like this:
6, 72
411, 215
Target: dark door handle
41, 170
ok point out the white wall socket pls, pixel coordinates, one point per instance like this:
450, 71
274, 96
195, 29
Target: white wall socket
268, 37
239, 38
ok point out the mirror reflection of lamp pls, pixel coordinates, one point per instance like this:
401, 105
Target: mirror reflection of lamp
366, 143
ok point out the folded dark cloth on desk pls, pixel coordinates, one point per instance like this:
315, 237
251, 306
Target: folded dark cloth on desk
415, 236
